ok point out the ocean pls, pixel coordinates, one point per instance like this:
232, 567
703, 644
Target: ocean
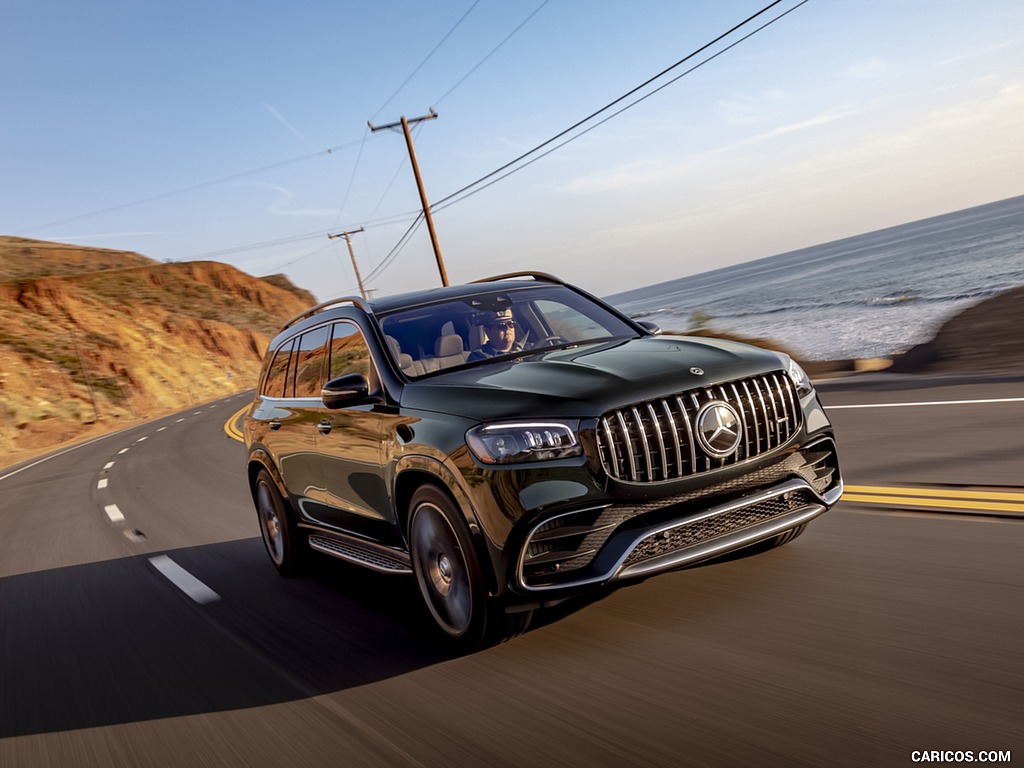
872, 295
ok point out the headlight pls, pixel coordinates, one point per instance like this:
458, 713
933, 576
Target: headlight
527, 441
797, 374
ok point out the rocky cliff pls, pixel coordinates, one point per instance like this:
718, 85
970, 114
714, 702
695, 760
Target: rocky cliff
93, 339
985, 338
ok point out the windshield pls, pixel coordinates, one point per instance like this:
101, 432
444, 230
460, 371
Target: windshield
494, 324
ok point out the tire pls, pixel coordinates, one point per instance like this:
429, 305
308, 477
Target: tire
285, 546
449, 576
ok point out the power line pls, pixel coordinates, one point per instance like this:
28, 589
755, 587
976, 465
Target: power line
608, 106
393, 253
494, 50
428, 57
183, 190
405, 82
388, 220
449, 201
507, 169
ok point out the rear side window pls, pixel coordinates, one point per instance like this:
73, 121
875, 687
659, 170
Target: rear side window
276, 376
308, 363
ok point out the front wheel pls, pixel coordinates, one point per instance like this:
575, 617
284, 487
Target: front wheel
449, 574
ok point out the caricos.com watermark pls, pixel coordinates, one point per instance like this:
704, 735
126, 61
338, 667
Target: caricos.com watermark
960, 756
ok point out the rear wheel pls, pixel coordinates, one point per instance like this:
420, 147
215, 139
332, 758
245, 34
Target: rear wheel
283, 543
449, 574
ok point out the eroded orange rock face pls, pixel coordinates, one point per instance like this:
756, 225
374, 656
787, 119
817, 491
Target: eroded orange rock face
86, 350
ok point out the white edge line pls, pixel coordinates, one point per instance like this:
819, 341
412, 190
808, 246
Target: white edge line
935, 402
61, 453
184, 580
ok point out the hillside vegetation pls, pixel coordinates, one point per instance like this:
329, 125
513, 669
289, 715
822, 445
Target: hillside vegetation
94, 339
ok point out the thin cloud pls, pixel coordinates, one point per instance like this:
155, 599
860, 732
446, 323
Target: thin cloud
281, 204
280, 118
869, 68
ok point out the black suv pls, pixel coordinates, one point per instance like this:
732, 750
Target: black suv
515, 441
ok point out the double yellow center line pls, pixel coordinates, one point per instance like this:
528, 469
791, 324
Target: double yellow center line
231, 425
945, 499
903, 498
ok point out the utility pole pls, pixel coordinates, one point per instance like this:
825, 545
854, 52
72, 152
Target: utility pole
352, 253
419, 182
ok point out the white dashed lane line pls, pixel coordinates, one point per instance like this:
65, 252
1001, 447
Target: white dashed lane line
113, 513
184, 580
102, 483
123, 450
108, 465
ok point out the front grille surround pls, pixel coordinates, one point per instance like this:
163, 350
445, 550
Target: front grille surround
654, 441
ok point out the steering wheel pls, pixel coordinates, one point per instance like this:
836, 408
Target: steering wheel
549, 341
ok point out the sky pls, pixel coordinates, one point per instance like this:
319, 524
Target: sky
239, 131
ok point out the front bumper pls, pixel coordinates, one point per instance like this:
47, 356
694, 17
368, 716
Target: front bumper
569, 551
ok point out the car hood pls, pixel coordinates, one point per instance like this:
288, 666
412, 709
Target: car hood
588, 379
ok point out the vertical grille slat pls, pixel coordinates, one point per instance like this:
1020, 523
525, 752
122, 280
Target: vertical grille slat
773, 418
644, 443
627, 442
656, 440
656, 424
743, 419
689, 433
677, 446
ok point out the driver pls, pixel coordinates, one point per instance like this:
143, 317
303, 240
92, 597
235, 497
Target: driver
501, 336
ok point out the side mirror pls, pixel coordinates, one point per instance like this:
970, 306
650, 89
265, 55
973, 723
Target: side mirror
652, 327
350, 389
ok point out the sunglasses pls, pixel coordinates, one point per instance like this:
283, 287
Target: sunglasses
506, 324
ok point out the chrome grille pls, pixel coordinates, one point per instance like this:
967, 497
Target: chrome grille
654, 440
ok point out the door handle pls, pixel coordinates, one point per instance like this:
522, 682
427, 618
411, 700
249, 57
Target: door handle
324, 427
275, 425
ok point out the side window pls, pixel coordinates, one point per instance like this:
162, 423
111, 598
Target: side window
349, 353
274, 385
307, 362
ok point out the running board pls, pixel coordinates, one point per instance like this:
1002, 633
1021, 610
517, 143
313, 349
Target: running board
376, 557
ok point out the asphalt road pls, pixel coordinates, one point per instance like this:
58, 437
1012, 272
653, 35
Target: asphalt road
142, 625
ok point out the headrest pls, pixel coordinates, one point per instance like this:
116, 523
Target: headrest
446, 346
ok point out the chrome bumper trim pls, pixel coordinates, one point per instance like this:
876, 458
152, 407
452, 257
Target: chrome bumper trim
706, 549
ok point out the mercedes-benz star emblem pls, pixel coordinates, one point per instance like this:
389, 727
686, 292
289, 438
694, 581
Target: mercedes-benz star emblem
697, 371
718, 429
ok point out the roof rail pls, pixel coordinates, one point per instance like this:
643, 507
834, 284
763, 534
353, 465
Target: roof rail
541, 277
324, 305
